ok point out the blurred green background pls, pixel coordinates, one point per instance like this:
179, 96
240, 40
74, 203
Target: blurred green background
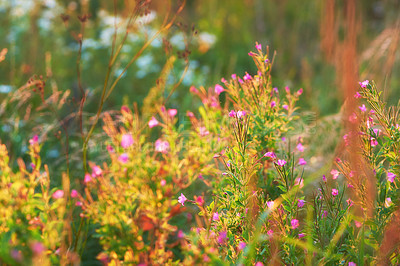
306, 36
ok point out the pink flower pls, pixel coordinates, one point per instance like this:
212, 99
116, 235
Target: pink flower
110, 149
335, 192
300, 147
350, 202
353, 118
358, 224
203, 131
281, 162
242, 245
301, 235
324, 178
324, 214
223, 80
172, 112
181, 234
58, 194
302, 161
200, 200
182, 199
374, 142
193, 89
285, 106
96, 171
34, 140
270, 154
270, 204
299, 182
352, 264
163, 182
37, 248
126, 141
240, 80
258, 46
300, 203
251, 54
259, 264
335, 173
153, 122
363, 108
287, 89
123, 158
240, 114
222, 237
74, 193
215, 216
88, 178
162, 146
294, 223
189, 114
218, 89
247, 76
232, 113
388, 202
357, 95
390, 177
364, 84
125, 109
273, 104
78, 204
270, 232
233, 76
299, 92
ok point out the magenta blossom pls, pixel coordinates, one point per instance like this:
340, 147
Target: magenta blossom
162, 146
270, 204
301, 235
215, 216
242, 245
123, 158
270, 232
335, 173
232, 113
200, 200
273, 104
324, 178
58, 194
153, 122
222, 237
364, 84
300, 92
270, 154
335, 192
363, 108
87, 179
203, 131
357, 95
258, 46
285, 106
218, 89
390, 177
74, 193
126, 141
302, 161
301, 203
182, 199
240, 114
350, 202
352, 264
300, 147
281, 162
294, 223
388, 202
163, 182
37, 248
247, 76
34, 140
96, 171
172, 112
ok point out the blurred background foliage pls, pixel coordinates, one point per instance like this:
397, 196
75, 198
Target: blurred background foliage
209, 40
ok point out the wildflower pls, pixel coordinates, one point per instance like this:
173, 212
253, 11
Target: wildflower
233, 76
300, 203
270, 154
16, 255
301, 235
240, 114
287, 89
172, 112
350, 185
374, 142
153, 122
335, 192
242, 245
294, 223
324, 178
193, 89
358, 224
300, 147
346, 140
281, 162
324, 214
124, 109
350, 202
74, 193
270, 232
390, 177
218, 89
352, 264
78, 204
363, 108
110, 149
37, 248
189, 114
215, 216
199, 200
34, 140
247, 76
182, 199
222, 237
357, 95
163, 182
206, 258
353, 118
273, 104
181, 234
299, 92
258, 46
223, 80
270, 204
335, 173
364, 84
299, 182
302, 161
58, 194
240, 80
87, 179
126, 141
123, 158
161, 146
203, 131
96, 171
388, 202
232, 113
259, 263
285, 106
